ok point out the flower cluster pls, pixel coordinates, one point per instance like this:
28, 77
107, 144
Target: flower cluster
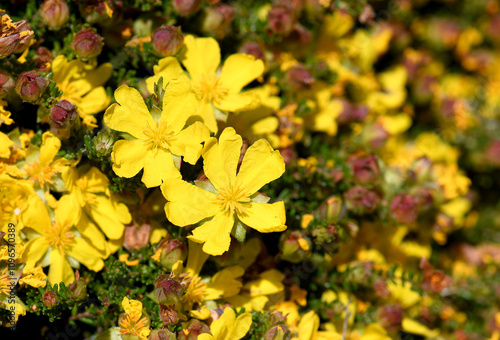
206, 169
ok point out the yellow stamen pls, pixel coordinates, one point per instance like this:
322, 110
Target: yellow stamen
59, 237
211, 89
4, 282
195, 291
231, 199
41, 175
159, 136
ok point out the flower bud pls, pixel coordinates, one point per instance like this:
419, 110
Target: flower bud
252, 48
186, 7
434, 280
62, 116
167, 40
298, 78
98, 11
331, 209
162, 334
168, 315
422, 168
375, 136
87, 44
217, 20
43, 59
103, 144
404, 208
55, 13
361, 200
15, 37
171, 251
135, 235
169, 290
6, 83
364, 169
294, 247
391, 317
78, 289
277, 329
281, 20
192, 329
300, 35
352, 113
49, 299
493, 153
30, 86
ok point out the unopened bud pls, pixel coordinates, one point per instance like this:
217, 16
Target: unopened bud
192, 329
103, 144
364, 169
331, 209
404, 208
277, 329
49, 299
162, 334
15, 36
493, 153
98, 11
352, 113
434, 280
78, 289
361, 200
281, 20
135, 235
294, 247
169, 290
6, 83
30, 86
55, 13
252, 48
375, 136
186, 7
168, 315
171, 251
217, 20
167, 40
43, 59
391, 316
87, 44
62, 116
299, 78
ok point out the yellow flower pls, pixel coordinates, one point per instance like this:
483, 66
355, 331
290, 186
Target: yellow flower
326, 111
157, 142
97, 208
228, 326
219, 93
227, 200
14, 195
81, 84
56, 243
134, 322
5, 142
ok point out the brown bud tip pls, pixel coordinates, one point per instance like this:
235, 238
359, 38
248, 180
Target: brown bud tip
62, 114
167, 40
55, 13
87, 44
30, 86
49, 299
186, 7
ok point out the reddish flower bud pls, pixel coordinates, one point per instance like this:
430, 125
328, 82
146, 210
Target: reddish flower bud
298, 78
352, 113
434, 281
169, 289
186, 7
192, 329
404, 208
252, 48
294, 247
217, 20
98, 11
6, 83
277, 329
300, 34
281, 20
55, 13
30, 86
167, 40
87, 44
62, 115
375, 136
380, 288
78, 289
171, 251
15, 37
49, 299
361, 200
168, 315
391, 317
135, 236
162, 334
43, 59
493, 153
364, 169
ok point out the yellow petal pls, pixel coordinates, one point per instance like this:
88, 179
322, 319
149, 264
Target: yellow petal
264, 217
239, 70
50, 147
215, 233
60, 270
128, 157
228, 327
158, 166
68, 211
308, 326
188, 142
202, 56
5, 144
95, 101
34, 250
187, 204
261, 165
221, 159
224, 283
84, 253
179, 103
168, 68
205, 113
236, 102
414, 327
96, 181
36, 215
129, 114
103, 212
268, 283
196, 258
90, 231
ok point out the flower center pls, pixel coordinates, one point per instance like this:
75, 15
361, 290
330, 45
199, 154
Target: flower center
210, 88
87, 196
195, 291
59, 237
159, 136
133, 325
231, 199
41, 175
